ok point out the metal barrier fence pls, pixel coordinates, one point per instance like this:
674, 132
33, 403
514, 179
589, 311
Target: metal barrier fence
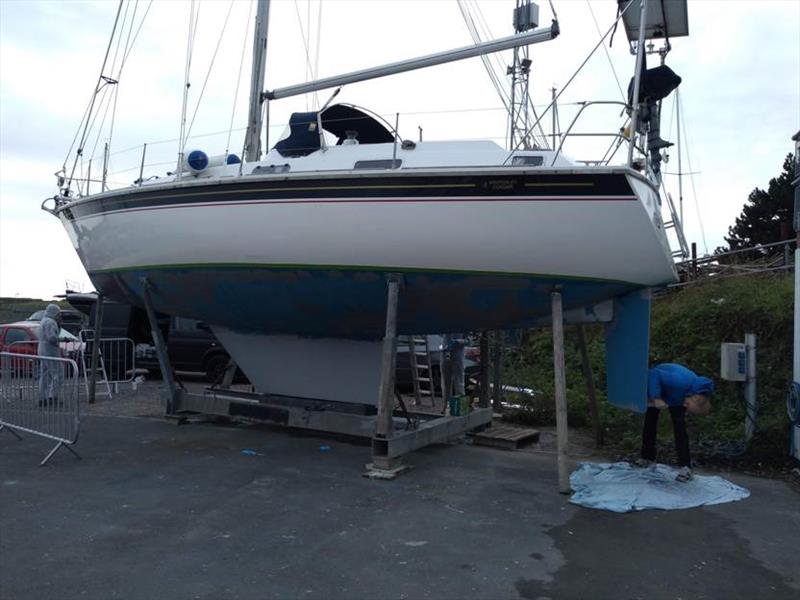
117, 357
40, 395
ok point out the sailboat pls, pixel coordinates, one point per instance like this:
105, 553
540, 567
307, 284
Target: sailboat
286, 255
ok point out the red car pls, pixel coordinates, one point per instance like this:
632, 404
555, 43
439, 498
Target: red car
23, 338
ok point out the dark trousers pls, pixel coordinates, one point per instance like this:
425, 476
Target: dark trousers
678, 415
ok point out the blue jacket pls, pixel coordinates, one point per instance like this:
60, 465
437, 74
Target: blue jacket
673, 383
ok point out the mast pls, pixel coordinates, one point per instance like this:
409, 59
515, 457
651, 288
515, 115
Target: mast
252, 143
637, 80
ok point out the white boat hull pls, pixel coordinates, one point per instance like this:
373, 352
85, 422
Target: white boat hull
316, 265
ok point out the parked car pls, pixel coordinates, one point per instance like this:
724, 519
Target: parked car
22, 337
71, 320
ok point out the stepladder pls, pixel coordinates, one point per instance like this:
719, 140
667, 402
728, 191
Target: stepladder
102, 386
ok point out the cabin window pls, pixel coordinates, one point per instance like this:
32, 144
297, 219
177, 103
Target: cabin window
536, 160
378, 164
268, 169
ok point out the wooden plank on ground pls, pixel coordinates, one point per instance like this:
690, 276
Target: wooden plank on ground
506, 436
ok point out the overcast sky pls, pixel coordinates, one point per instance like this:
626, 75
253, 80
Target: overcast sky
740, 94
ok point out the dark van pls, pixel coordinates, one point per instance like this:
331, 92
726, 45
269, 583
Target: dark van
190, 344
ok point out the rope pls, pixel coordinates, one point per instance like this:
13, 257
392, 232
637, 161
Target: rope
238, 78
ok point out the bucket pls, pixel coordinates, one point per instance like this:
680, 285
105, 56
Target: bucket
459, 406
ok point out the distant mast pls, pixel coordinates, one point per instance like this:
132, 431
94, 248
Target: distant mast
252, 146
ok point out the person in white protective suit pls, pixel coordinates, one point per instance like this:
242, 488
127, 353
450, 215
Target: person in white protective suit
50, 371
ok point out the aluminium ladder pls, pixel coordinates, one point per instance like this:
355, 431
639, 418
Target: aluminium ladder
102, 378
419, 357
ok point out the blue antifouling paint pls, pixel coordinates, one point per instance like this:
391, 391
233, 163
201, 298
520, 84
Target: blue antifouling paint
197, 160
232, 159
627, 349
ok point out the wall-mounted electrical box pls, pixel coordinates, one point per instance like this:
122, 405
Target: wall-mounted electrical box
733, 366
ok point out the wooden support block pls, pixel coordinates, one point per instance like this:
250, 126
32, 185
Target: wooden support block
506, 437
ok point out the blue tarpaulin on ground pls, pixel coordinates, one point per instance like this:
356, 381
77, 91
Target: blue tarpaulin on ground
621, 487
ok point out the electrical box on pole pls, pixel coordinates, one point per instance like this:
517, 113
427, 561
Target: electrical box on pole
733, 365
738, 363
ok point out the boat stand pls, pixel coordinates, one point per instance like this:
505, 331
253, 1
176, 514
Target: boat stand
393, 433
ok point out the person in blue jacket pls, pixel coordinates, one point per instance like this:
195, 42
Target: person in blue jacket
680, 390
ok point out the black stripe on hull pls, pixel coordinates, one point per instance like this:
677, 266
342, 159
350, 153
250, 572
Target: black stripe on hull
571, 186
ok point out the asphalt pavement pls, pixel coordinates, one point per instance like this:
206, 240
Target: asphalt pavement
155, 510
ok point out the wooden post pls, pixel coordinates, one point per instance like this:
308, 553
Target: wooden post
497, 396
561, 393
588, 376
484, 370
98, 331
694, 260
383, 424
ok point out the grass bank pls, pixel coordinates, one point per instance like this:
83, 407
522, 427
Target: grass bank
688, 325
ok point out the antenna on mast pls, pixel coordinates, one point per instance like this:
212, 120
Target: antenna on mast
526, 16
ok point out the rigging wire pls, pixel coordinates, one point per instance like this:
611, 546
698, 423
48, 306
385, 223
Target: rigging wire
94, 97
487, 32
608, 56
139, 29
309, 70
119, 73
111, 99
502, 68
119, 39
239, 78
318, 44
578, 70
126, 53
476, 38
208, 73
105, 100
691, 176
186, 84
501, 65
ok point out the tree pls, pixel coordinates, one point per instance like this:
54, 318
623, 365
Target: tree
767, 215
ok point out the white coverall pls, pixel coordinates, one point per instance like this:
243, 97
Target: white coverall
50, 371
